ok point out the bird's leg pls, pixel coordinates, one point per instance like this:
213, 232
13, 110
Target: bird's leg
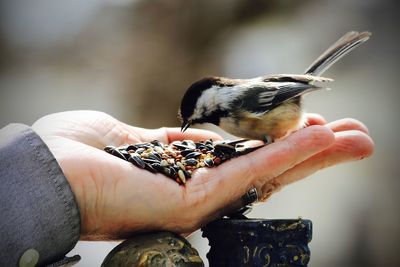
267, 140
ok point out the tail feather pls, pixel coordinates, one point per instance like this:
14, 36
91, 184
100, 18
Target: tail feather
344, 45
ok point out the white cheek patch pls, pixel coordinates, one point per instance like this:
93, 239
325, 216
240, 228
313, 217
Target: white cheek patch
215, 97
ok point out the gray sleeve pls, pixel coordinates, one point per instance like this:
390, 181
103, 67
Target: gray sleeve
37, 207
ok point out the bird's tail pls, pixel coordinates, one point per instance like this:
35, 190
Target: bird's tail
344, 45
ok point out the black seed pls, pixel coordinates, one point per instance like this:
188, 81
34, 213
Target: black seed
155, 156
150, 168
199, 143
167, 172
140, 150
151, 161
118, 154
191, 162
137, 161
189, 143
126, 154
217, 153
189, 150
156, 143
109, 149
174, 172
186, 152
193, 155
187, 174
201, 146
209, 147
145, 145
131, 147
175, 167
209, 162
181, 147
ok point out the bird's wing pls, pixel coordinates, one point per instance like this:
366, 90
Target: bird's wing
265, 96
306, 78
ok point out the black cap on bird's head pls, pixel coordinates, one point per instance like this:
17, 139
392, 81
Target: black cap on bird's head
189, 101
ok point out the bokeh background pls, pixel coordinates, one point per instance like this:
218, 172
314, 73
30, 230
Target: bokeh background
135, 58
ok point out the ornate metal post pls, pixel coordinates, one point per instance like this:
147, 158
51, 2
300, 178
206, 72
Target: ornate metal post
257, 242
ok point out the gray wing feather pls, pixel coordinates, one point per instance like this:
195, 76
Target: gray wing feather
263, 97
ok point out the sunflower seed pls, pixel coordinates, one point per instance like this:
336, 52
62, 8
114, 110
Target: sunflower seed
186, 152
150, 168
210, 147
173, 172
150, 161
156, 143
191, 162
125, 153
167, 172
193, 155
137, 161
189, 143
118, 154
155, 156
109, 149
209, 162
131, 147
140, 150
178, 159
157, 166
187, 174
141, 145
182, 176
181, 146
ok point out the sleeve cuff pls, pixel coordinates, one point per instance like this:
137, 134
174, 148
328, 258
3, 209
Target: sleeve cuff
38, 208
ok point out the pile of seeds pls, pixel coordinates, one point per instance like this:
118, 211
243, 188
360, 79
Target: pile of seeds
180, 158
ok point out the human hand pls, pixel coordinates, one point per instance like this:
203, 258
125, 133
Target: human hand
115, 198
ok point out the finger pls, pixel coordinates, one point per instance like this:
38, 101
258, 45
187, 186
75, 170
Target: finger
347, 124
168, 135
349, 146
231, 180
314, 119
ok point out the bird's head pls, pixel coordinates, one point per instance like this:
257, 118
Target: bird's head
202, 102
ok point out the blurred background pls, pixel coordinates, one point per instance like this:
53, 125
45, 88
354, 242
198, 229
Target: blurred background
134, 59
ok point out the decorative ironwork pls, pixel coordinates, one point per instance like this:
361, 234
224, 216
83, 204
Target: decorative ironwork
253, 242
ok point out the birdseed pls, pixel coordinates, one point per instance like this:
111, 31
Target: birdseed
179, 159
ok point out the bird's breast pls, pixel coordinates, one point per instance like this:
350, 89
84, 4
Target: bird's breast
276, 123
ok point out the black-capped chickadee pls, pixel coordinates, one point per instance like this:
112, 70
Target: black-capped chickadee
265, 108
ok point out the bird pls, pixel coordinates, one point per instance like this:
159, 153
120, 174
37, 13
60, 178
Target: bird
263, 108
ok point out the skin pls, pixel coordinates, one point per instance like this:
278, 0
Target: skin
115, 198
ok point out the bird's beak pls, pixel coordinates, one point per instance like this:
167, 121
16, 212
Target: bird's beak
185, 125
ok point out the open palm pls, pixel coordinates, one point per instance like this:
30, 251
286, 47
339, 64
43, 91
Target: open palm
116, 198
